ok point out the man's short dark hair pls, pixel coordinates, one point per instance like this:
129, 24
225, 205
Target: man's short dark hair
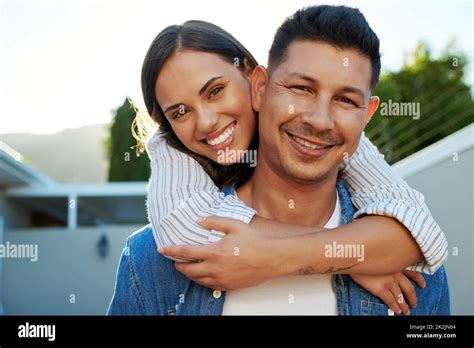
340, 26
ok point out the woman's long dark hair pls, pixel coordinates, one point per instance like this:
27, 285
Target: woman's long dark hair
204, 37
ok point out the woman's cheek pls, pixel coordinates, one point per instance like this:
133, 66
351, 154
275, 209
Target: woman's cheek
233, 102
185, 133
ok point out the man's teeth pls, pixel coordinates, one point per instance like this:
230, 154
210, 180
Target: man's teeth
307, 143
223, 137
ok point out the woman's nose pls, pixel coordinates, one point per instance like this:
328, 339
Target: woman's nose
207, 122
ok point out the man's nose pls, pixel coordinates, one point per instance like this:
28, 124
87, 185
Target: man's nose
319, 116
207, 121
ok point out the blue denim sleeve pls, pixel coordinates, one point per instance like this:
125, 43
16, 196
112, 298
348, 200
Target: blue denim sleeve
127, 299
443, 306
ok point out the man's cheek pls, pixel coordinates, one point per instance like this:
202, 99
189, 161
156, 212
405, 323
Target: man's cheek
350, 146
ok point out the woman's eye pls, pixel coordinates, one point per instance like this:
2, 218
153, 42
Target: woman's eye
180, 112
346, 100
215, 91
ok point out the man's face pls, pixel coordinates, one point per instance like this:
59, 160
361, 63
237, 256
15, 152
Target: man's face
313, 109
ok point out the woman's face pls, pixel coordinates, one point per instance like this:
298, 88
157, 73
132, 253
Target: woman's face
207, 102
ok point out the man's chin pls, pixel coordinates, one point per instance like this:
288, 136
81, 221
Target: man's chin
309, 174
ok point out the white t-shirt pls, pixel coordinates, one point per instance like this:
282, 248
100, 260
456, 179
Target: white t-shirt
290, 295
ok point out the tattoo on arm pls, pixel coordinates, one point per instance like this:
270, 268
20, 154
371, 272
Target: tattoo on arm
310, 270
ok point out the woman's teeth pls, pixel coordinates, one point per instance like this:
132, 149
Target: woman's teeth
223, 137
307, 143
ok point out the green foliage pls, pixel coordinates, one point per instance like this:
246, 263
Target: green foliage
124, 164
445, 102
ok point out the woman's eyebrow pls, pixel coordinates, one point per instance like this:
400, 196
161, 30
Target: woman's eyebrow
174, 106
201, 91
211, 80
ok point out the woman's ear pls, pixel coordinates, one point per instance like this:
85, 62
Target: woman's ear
259, 83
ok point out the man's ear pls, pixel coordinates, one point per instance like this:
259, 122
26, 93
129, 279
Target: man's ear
259, 83
373, 105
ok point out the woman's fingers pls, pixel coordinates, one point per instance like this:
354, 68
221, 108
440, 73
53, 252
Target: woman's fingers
398, 295
408, 290
416, 277
208, 282
191, 252
387, 297
193, 270
217, 223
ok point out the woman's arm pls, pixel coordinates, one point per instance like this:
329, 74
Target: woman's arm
261, 257
254, 253
179, 191
387, 248
377, 190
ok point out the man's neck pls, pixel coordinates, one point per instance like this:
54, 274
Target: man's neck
279, 198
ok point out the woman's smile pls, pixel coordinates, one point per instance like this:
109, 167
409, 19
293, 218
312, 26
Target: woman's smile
222, 138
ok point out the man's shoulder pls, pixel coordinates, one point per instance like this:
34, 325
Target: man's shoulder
143, 251
142, 239
145, 283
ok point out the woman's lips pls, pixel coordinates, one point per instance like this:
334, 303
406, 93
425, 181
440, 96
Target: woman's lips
307, 148
223, 139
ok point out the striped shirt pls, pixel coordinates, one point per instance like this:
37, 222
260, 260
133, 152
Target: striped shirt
179, 191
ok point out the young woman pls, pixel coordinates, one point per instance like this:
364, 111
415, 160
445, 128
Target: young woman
196, 86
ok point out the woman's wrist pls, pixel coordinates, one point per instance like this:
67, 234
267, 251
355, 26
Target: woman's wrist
282, 257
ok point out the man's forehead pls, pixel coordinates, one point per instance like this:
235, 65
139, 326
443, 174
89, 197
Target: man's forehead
315, 59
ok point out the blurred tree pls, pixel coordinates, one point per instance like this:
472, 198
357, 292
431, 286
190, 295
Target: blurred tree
436, 86
124, 164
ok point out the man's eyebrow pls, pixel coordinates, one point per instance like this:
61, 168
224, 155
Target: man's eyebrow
350, 89
211, 80
303, 77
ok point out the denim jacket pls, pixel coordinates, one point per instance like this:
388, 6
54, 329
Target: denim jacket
147, 283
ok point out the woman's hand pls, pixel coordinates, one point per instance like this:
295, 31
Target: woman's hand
243, 258
393, 289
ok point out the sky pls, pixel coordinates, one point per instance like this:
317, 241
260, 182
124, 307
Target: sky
70, 63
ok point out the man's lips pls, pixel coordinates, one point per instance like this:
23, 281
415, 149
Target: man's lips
307, 147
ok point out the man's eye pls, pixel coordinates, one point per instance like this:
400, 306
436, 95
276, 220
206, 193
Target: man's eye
215, 91
300, 88
347, 101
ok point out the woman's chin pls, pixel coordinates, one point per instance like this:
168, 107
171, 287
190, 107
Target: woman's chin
226, 156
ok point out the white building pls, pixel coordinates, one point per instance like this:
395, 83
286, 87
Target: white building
78, 231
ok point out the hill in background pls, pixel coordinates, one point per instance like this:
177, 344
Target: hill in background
74, 155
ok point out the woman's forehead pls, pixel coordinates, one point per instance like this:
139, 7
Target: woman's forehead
188, 63
187, 71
